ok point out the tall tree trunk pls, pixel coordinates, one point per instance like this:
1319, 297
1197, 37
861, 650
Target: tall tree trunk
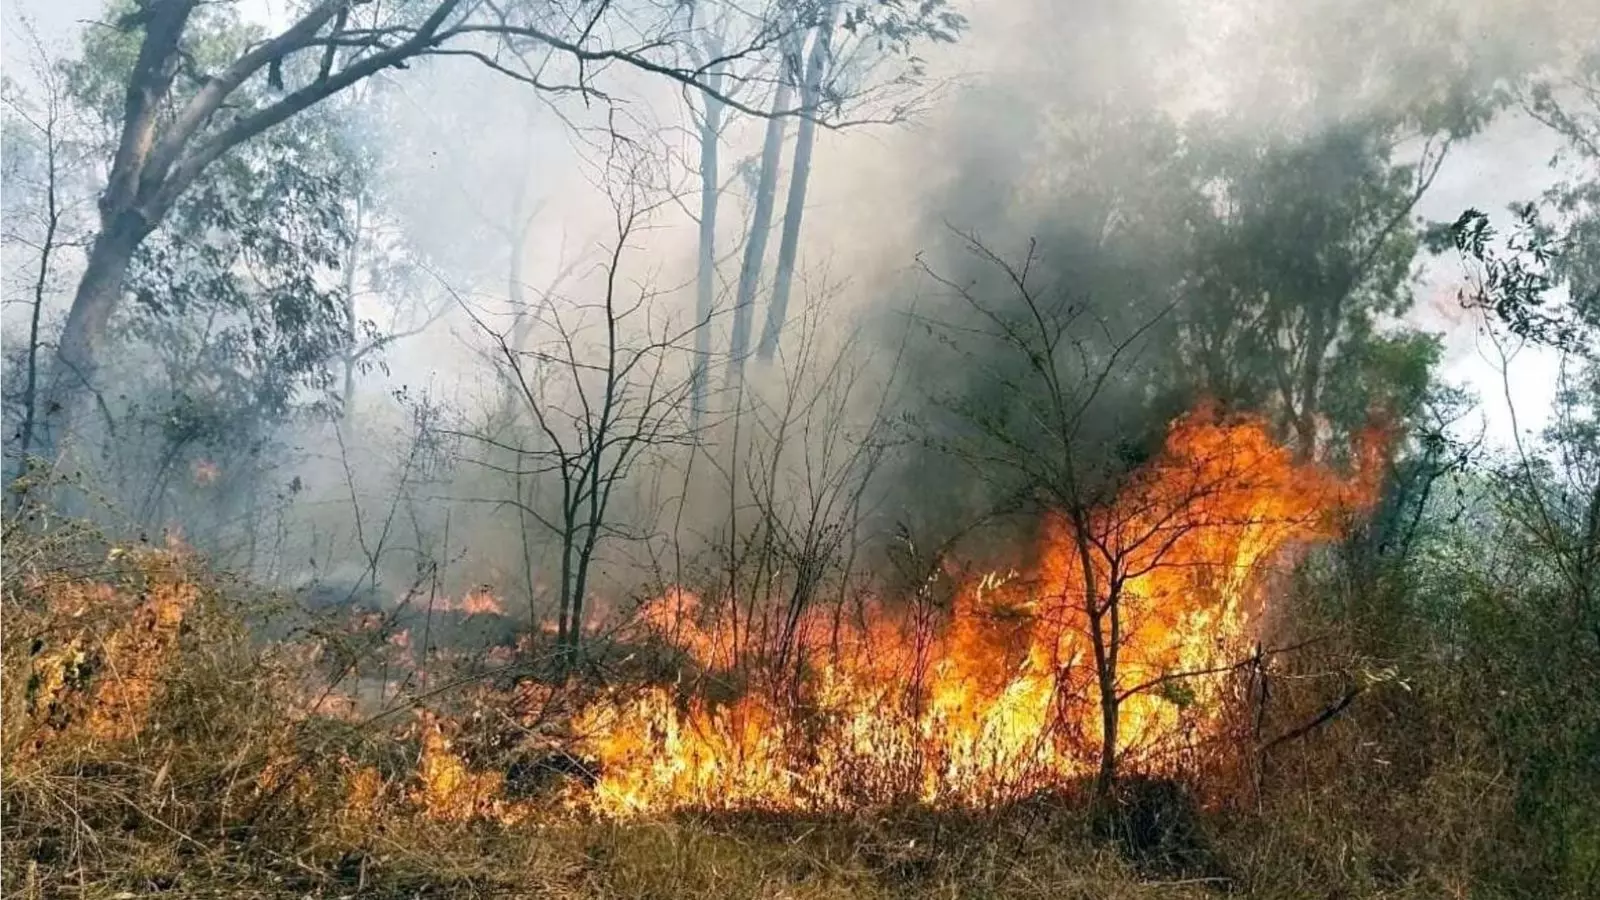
705, 285
1310, 386
788, 245
1110, 702
755, 249
71, 389
353, 333
128, 212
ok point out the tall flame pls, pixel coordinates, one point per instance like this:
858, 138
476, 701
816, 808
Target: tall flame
1000, 695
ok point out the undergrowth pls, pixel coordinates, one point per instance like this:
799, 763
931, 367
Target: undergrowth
155, 745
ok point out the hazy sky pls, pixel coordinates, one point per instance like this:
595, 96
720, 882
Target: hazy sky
857, 182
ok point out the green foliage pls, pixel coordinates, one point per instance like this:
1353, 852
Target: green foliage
898, 24
1310, 248
233, 290
1527, 648
236, 312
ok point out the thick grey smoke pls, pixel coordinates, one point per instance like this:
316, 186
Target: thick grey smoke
1056, 122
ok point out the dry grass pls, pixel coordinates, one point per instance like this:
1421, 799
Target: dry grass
151, 748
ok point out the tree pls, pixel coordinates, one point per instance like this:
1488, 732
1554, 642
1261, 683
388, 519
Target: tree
1052, 442
236, 317
845, 51
1513, 279
45, 173
180, 116
595, 405
1135, 534
709, 126
841, 71
810, 78
1523, 581
1314, 242
766, 190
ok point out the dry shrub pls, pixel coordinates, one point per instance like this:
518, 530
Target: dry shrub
152, 745
450, 790
147, 740
1402, 793
99, 655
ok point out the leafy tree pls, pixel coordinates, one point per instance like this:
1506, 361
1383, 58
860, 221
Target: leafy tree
1311, 248
185, 106
235, 309
1522, 605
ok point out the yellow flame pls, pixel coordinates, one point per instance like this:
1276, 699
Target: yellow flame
1001, 697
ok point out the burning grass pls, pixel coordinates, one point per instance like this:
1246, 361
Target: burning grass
901, 748
1005, 693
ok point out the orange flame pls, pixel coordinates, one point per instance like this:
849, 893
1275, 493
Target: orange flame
481, 602
449, 790
100, 680
1001, 695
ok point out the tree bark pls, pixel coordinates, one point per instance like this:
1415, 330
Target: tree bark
705, 284
353, 335
126, 217
72, 384
1310, 387
755, 249
799, 178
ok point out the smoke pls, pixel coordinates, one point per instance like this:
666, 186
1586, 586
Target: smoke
1062, 127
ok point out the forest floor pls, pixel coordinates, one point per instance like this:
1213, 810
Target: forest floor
675, 859
154, 746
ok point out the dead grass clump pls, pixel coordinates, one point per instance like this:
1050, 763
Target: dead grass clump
1400, 794
147, 742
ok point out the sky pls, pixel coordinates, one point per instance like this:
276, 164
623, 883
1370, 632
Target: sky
1503, 165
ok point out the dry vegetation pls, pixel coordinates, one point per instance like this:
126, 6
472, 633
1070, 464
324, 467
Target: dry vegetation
152, 747
1153, 558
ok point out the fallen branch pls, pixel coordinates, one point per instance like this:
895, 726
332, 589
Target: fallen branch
1339, 706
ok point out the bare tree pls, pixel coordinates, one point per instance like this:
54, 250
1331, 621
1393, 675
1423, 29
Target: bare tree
47, 127
814, 457
599, 390
1058, 365
799, 490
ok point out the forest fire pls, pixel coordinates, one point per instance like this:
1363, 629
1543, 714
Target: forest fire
1012, 689
1125, 638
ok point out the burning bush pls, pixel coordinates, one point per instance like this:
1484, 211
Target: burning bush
151, 739
1121, 639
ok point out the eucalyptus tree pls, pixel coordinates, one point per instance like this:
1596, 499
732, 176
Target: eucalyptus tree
1313, 243
845, 62
850, 65
1525, 607
183, 111
233, 317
